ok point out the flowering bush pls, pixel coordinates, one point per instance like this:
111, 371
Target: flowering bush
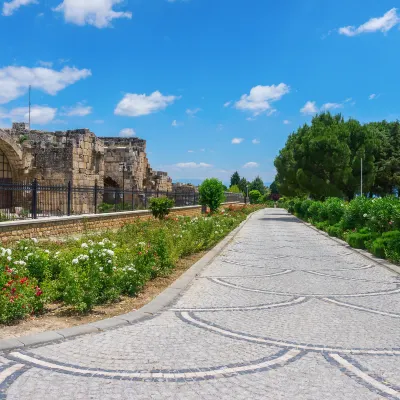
99, 268
19, 295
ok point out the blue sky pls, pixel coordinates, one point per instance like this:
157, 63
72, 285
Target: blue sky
214, 86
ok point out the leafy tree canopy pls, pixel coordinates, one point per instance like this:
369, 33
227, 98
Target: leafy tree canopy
235, 179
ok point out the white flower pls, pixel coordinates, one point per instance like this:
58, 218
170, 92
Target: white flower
84, 246
114, 268
109, 261
101, 243
8, 258
57, 253
100, 269
47, 251
34, 240
91, 251
365, 215
8, 251
20, 262
114, 245
75, 261
110, 252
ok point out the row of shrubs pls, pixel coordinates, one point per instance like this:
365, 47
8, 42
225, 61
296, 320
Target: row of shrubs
100, 268
372, 224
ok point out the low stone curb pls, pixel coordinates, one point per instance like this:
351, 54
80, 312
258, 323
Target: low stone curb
364, 253
160, 302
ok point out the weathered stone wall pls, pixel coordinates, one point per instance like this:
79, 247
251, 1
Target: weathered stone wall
80, 157
74, 225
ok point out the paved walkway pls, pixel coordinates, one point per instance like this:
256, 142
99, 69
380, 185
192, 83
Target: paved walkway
282, 313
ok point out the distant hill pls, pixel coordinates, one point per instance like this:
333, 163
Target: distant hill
197, 182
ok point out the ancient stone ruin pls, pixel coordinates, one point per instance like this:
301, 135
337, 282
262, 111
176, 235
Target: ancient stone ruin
79, 157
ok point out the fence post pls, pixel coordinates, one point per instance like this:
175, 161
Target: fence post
69, 191
115, 199
96, 193
133, 201
34, 198
145, 199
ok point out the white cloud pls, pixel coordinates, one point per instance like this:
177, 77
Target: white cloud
14, 81
228, 103
251, 165
309, 108
286, 122
127, 132
348, 100
382, 24
237, 140
13, 5
372, 96
193, 165
40, 115
260, 97
190, 151
79, 110
98, 121
255, 141
135, 105
176, 123
99, 13
331, 106
45, 64
192, 112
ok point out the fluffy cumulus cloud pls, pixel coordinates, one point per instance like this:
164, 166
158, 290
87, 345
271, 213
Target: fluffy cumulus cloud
135, 105
260, 98
9, 7
251, 164
79, 110
380, 24
331, 106
15, 81
40, 115
309, 108
99, 13
176, 123
193, 165
127, 132
237, 140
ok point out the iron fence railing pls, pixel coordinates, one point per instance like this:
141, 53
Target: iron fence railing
34, 200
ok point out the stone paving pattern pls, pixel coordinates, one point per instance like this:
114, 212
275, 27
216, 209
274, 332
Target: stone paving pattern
282, 313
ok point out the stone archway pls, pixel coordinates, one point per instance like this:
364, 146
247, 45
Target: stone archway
13, 153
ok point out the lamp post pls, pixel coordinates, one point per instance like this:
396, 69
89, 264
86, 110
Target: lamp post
122, 167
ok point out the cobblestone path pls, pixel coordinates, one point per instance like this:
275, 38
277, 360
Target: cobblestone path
282, 313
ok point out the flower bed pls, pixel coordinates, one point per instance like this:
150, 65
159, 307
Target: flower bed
97, 269
372, 224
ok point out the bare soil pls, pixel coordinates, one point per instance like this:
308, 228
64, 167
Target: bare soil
58, 316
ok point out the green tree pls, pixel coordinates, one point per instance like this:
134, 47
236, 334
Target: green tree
234, 189
212, 194
243, 185
255, 196
324, 159
257, 184
235, 179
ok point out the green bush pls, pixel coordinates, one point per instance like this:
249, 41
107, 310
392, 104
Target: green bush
355, 213
360, 240
212, 194
388, 245
334, 230
315, 210
255, 197
161, 206
235, 189
334, 208
384, 214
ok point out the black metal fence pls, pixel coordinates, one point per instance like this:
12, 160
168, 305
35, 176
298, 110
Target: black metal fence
33, 200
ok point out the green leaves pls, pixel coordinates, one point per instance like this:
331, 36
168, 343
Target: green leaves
324, 160
212, 194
